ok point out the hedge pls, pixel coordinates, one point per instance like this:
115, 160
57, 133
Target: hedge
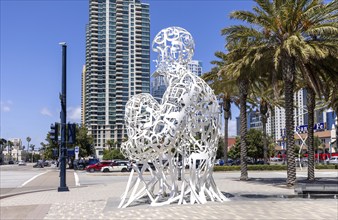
268, 167
250, 167
328, 166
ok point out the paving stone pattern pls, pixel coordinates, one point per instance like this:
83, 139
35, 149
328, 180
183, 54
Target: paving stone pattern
101, 201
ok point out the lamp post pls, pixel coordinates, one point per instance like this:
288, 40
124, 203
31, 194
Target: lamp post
63, 187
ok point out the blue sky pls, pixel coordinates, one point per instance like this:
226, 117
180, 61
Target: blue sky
31, 55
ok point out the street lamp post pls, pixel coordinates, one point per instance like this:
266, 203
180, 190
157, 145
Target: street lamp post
63, 187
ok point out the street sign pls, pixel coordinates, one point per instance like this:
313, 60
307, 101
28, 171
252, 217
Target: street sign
304, 128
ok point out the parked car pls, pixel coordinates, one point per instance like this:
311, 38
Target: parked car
22, 163
39, 164
46, 163
219, 162
151, 165
333, 160
92, 161
97, 166
11, 162
119, 166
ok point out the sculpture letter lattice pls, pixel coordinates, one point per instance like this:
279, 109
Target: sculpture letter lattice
178, 133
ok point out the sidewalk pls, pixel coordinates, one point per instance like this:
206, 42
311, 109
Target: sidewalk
248, 200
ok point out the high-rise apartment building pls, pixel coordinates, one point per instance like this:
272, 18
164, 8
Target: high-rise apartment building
276, 126
159, 86
195, 67
117, 65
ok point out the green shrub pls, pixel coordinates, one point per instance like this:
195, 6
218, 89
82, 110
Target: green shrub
328, 166
250, 167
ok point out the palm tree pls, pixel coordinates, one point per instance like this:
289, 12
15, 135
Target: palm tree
284, 30
43, 148
237, 69
227, 92
28, 139
2, 145
32, 146
111, 143
333, 102
10, 145
318, 77
267, 98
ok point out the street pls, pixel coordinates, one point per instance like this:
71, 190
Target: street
18, 179
97, 195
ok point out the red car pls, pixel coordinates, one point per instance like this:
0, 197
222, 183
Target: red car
97, 166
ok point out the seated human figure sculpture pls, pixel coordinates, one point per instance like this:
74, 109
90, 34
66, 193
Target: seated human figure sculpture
183, 130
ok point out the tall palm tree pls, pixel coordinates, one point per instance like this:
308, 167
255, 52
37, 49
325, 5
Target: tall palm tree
28, 139
314, 76
2, 146
226, 90
32, 146
10, 145
237, 69
283, 29
332, 99
267, 98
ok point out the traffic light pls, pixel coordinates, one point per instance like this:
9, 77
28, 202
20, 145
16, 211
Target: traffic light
54, 132
71, 133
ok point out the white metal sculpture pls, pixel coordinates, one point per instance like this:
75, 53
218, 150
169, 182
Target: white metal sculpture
178, 136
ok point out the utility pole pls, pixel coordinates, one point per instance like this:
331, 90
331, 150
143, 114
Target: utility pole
63, 187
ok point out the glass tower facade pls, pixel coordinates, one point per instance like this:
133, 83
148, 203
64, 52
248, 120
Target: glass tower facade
117, 65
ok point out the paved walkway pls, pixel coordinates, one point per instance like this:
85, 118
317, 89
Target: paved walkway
248, 200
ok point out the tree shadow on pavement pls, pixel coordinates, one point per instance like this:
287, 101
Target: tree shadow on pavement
281, 182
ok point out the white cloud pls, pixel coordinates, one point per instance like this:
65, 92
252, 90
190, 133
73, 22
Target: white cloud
6, 106
74, 113
45, 111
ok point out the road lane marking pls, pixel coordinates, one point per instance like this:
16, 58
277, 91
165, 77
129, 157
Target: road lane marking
77, 181
32, 179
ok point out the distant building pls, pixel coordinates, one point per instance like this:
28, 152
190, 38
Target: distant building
231, 142
276, 125
14, 153
300, 116
159, 86
253, 121
196, 67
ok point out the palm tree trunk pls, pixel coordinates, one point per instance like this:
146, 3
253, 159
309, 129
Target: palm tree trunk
265, 143
225, 148
273, 125
243, 89
310, 139
227, 113
288, 68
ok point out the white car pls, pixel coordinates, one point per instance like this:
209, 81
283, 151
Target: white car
22, 163
118, 166
333, 160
